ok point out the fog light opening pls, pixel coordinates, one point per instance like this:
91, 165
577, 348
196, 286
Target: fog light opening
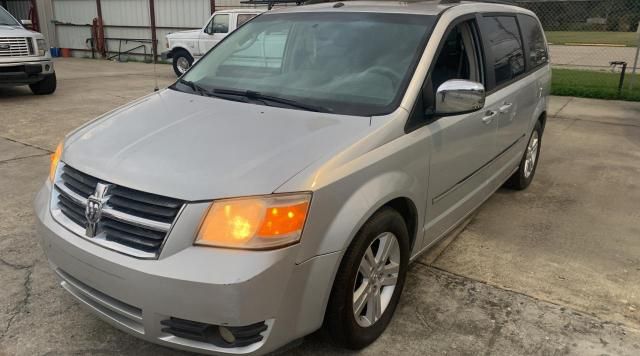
47, 67
226, 335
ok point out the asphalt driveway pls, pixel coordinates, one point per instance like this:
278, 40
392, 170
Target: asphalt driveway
551, 270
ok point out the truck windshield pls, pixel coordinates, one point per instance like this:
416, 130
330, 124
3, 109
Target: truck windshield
345, 63
6, 19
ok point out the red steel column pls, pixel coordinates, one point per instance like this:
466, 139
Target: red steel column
213, 6
36, 18
101, 45
154, 39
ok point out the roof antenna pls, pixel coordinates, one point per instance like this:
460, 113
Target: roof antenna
155, 73
154, 47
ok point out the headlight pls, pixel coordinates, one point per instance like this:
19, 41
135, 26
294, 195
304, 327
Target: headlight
55, 159
42, 47
256, 222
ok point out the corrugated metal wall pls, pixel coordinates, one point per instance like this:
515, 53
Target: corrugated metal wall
177, 15
182, 13
128, 19
18, 8
69, 15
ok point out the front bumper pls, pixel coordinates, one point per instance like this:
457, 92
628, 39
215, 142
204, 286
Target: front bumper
23, 73
208, 285
166, 55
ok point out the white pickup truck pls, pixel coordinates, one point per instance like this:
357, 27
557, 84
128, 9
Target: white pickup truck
24, 57
185, 47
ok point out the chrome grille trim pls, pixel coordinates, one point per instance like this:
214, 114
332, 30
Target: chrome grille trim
18, 47
115, 214
136, 231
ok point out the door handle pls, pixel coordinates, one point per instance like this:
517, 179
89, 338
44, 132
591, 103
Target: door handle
489, 115
505, 108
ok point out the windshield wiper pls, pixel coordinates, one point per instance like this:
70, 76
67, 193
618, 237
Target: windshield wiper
199, 90
250, 94
193, 86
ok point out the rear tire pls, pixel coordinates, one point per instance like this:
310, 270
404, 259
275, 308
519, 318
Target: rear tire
521, 179
46, 86
349, 320
182, 61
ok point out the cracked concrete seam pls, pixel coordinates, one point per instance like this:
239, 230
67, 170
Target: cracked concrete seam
26, 144
562, 108
22, 305
538, 299
24, 157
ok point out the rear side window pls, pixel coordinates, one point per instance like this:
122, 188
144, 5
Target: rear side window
243, 18
505, 45
534, 41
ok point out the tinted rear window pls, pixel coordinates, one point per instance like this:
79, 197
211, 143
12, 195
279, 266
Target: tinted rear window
534, 41
506, 47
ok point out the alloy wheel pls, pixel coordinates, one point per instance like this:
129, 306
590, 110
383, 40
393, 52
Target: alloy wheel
376, 279
531, 154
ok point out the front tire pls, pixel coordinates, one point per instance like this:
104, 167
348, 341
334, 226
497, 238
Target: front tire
46, 86
182, 61
521, 179
369, 282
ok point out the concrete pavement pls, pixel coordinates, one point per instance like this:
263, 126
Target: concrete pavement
551, 270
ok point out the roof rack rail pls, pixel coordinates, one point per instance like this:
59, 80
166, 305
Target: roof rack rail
503, 2
271, 3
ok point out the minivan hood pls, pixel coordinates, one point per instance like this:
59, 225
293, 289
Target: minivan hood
197, 148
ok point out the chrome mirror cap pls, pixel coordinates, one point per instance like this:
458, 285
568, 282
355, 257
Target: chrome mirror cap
458, 96
26, 23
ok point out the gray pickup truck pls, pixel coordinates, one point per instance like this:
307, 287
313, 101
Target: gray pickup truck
24, 57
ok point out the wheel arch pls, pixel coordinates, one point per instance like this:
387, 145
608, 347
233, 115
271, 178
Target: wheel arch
407, 209
179, 48
543, 119
336, 230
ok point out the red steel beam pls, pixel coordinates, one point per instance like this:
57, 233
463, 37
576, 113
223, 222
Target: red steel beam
100, 34
154, 39
36, 18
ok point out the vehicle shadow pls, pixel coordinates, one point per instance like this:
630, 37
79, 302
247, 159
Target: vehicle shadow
14, 92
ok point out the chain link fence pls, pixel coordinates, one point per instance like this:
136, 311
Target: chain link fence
592, 42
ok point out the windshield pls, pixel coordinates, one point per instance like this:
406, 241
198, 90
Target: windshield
344, 63
6, 19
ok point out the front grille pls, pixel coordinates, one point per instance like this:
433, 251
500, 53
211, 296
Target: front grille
14, 47
131, 221
236, 336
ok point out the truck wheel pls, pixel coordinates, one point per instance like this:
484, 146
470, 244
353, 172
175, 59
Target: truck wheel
46, 86
369, 282
182, 61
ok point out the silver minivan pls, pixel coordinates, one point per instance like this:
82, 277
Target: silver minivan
288, 178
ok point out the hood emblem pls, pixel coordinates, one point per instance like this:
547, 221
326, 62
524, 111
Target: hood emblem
93, 210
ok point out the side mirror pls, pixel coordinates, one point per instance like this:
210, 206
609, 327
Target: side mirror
26, 23
455, 97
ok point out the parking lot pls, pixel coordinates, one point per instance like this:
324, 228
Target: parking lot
551, 270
